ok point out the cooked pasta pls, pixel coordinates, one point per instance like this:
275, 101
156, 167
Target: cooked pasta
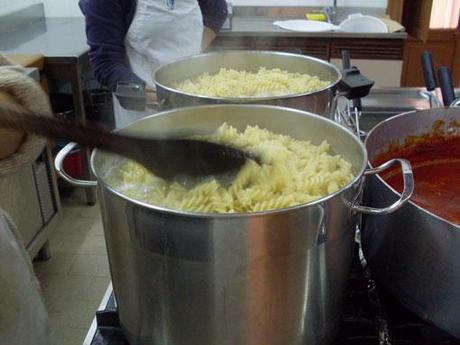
231, 83
292, 172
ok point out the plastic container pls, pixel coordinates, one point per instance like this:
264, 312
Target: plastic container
361, 23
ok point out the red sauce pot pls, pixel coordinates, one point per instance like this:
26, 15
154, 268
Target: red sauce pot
435, 160
415, 252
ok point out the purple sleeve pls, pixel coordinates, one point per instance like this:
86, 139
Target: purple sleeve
214, 13
107, 22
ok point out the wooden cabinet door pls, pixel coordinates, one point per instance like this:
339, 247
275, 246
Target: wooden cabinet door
395, 9
442, 51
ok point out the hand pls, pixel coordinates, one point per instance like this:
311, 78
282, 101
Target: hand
208, 37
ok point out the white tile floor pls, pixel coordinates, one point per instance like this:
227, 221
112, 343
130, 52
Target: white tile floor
75, 279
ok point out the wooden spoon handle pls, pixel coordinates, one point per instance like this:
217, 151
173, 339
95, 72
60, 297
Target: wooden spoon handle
12, 117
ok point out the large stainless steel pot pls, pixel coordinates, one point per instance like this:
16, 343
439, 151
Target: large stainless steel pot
319, 102
413, 253
270, 278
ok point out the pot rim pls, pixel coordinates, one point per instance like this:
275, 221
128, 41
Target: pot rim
248, 99
356, 179
374, 129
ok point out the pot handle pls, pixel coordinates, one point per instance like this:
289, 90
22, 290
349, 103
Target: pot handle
407, 192
59, 166
156, 106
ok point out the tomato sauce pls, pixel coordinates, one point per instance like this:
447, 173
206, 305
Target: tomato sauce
436, 165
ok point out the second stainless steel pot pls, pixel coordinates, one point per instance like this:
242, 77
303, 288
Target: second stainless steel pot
271, 278
319, 102
413, 253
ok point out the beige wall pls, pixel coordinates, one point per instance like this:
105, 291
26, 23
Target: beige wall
385, 73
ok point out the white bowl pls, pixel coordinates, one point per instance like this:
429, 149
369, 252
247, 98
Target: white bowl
362, 23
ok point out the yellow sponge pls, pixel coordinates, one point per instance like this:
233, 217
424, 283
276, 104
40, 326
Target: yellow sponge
320, 17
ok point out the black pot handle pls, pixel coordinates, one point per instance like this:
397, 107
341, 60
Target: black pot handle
353, 84
447, 86
346, 59
356, 102
428, 71
131, 96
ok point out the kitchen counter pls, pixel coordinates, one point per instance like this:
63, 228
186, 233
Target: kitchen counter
253, 28
261, 26
258, 21
55, 38
58, 38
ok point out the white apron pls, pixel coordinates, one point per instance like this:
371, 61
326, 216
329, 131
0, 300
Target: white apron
161, 31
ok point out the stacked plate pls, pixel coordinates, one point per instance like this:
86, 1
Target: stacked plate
354, 23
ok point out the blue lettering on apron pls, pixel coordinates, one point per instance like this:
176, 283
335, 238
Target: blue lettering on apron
170, 4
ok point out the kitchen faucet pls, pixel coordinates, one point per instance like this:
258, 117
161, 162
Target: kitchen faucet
331, 12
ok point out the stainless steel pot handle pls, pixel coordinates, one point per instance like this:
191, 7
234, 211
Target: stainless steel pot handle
455, 103
156, 106
334, 106
407, 192
59, 166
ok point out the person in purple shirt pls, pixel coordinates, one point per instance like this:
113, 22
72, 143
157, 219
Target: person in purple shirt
129, 39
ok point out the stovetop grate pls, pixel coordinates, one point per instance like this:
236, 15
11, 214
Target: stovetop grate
370, 317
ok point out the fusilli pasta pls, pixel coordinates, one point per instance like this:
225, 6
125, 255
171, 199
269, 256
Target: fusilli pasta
292, 172
230, 83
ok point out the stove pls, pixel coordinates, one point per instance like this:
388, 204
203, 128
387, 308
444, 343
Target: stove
369, 317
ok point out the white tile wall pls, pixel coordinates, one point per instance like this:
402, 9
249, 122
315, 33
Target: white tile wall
7, 6
69, 8
62, 8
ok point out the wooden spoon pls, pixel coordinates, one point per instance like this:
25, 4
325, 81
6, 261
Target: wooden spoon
166, 158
